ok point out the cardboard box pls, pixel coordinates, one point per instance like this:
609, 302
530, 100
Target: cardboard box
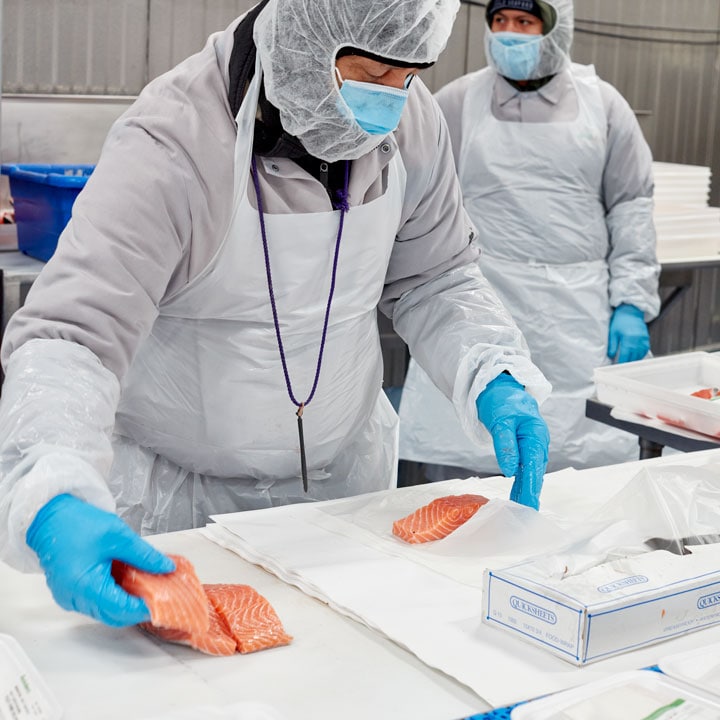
609, 608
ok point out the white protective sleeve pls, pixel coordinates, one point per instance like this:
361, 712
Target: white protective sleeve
57, 413
463, 337
634, 268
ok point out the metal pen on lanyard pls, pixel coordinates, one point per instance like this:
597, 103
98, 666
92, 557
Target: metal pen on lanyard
303, 461
343, 206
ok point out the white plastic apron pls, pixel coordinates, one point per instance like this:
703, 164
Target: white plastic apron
205, 423
534, 192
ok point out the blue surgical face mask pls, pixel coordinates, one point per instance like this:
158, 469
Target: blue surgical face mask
515, 55
376, 108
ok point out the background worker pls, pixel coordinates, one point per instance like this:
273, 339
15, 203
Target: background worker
557, 178
160, 370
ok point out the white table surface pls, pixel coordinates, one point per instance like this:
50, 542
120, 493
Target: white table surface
335, 668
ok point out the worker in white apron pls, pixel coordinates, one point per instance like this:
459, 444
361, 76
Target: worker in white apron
557, 178
221, 353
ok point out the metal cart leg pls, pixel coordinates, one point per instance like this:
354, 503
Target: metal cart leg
649, 449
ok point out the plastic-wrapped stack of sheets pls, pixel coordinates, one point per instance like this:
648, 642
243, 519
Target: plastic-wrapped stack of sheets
686, 225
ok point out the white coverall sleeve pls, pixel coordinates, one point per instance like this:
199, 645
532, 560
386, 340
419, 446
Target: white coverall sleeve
66, 350
56, 419
628, 198
442, 306
463, 337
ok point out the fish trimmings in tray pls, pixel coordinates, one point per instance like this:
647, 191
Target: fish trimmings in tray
664, 388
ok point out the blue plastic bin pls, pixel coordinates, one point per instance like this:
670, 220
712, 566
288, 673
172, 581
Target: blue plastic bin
43, 196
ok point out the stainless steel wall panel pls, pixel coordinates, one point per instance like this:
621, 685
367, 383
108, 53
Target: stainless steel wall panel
179, 28
95, 47
465, 52
707, 331
64, 129
664, 57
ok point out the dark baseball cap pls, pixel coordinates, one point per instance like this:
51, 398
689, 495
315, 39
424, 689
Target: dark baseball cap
538, 8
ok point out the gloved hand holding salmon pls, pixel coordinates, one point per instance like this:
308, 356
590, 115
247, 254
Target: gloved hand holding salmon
218, 619
438, 519
76, 544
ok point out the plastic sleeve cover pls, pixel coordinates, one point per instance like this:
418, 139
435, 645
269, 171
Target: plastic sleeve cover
57, 413
463, 337
634, 269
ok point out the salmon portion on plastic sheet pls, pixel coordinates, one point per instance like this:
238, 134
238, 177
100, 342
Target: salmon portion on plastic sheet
219, 619
253, 622
437, 519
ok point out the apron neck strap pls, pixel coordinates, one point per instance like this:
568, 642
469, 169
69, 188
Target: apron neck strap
343, 207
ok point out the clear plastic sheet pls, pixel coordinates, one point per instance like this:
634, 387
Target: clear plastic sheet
500, 531
674, 508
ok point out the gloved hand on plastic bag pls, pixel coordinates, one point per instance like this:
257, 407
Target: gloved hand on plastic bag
520, 436
629, 338
76, 544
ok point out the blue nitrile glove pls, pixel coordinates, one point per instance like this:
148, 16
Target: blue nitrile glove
629, 338
520, 436
76, 543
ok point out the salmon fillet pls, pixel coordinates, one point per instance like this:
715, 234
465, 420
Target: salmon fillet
176, 600
217, 619
252, 621
437, 519
217, 640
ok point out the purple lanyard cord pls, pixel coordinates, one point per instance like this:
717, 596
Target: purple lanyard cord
342, 205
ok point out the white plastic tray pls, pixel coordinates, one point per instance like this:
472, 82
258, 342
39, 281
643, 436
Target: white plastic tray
662, 388
699, 667
636, 695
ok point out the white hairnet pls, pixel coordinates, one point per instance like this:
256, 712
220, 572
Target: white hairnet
554, 46
297, 41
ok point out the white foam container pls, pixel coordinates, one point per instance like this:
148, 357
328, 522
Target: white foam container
662, 388
24, 694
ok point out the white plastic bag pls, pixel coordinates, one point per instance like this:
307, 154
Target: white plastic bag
671, 508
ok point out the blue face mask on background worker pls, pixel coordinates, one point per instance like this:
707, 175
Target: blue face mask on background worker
516, 54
